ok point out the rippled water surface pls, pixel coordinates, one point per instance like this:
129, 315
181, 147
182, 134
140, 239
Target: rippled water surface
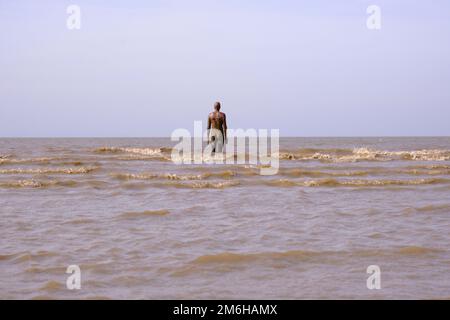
140, 226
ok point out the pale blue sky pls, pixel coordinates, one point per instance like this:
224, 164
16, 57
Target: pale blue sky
145, 68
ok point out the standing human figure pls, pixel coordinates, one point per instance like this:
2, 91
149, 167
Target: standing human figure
217, 128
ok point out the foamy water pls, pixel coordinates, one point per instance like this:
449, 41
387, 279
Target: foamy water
140, 226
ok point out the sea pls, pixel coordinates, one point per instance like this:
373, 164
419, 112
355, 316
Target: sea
342, 218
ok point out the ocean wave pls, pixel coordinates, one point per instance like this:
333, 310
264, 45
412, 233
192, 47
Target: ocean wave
416, 250
173, 176
332, 171
364, 154
353, 183
27, 256
423, 172
235, 258
165, 154
228, 257
204, 184
431, 167
194, 183
62, 160
182, 185
134, 150
198, 182
361, 173
434, 208
143, 214
151, 176
218, 158
134, 176
143, 158
80, 221
315, 173
221, 174
419, 155
304, 154
137, 154
43, 160
223, 262
82, 170
347, 171
32, 183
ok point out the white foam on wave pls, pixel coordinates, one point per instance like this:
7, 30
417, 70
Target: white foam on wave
81, 170
367, 154
134, 150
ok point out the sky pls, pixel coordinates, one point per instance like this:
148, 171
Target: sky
145, 68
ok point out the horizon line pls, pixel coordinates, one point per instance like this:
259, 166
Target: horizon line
168, 137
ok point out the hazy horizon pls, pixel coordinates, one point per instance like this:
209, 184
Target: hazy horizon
143, 69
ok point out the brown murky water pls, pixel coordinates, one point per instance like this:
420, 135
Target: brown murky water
140, 226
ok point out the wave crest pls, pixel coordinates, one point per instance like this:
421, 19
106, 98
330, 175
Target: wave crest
434, 208
82, 170
232, 258
173, 176
43, 160
205, 185
32, 183
364, 154
353, 183
143, 214
134, 150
